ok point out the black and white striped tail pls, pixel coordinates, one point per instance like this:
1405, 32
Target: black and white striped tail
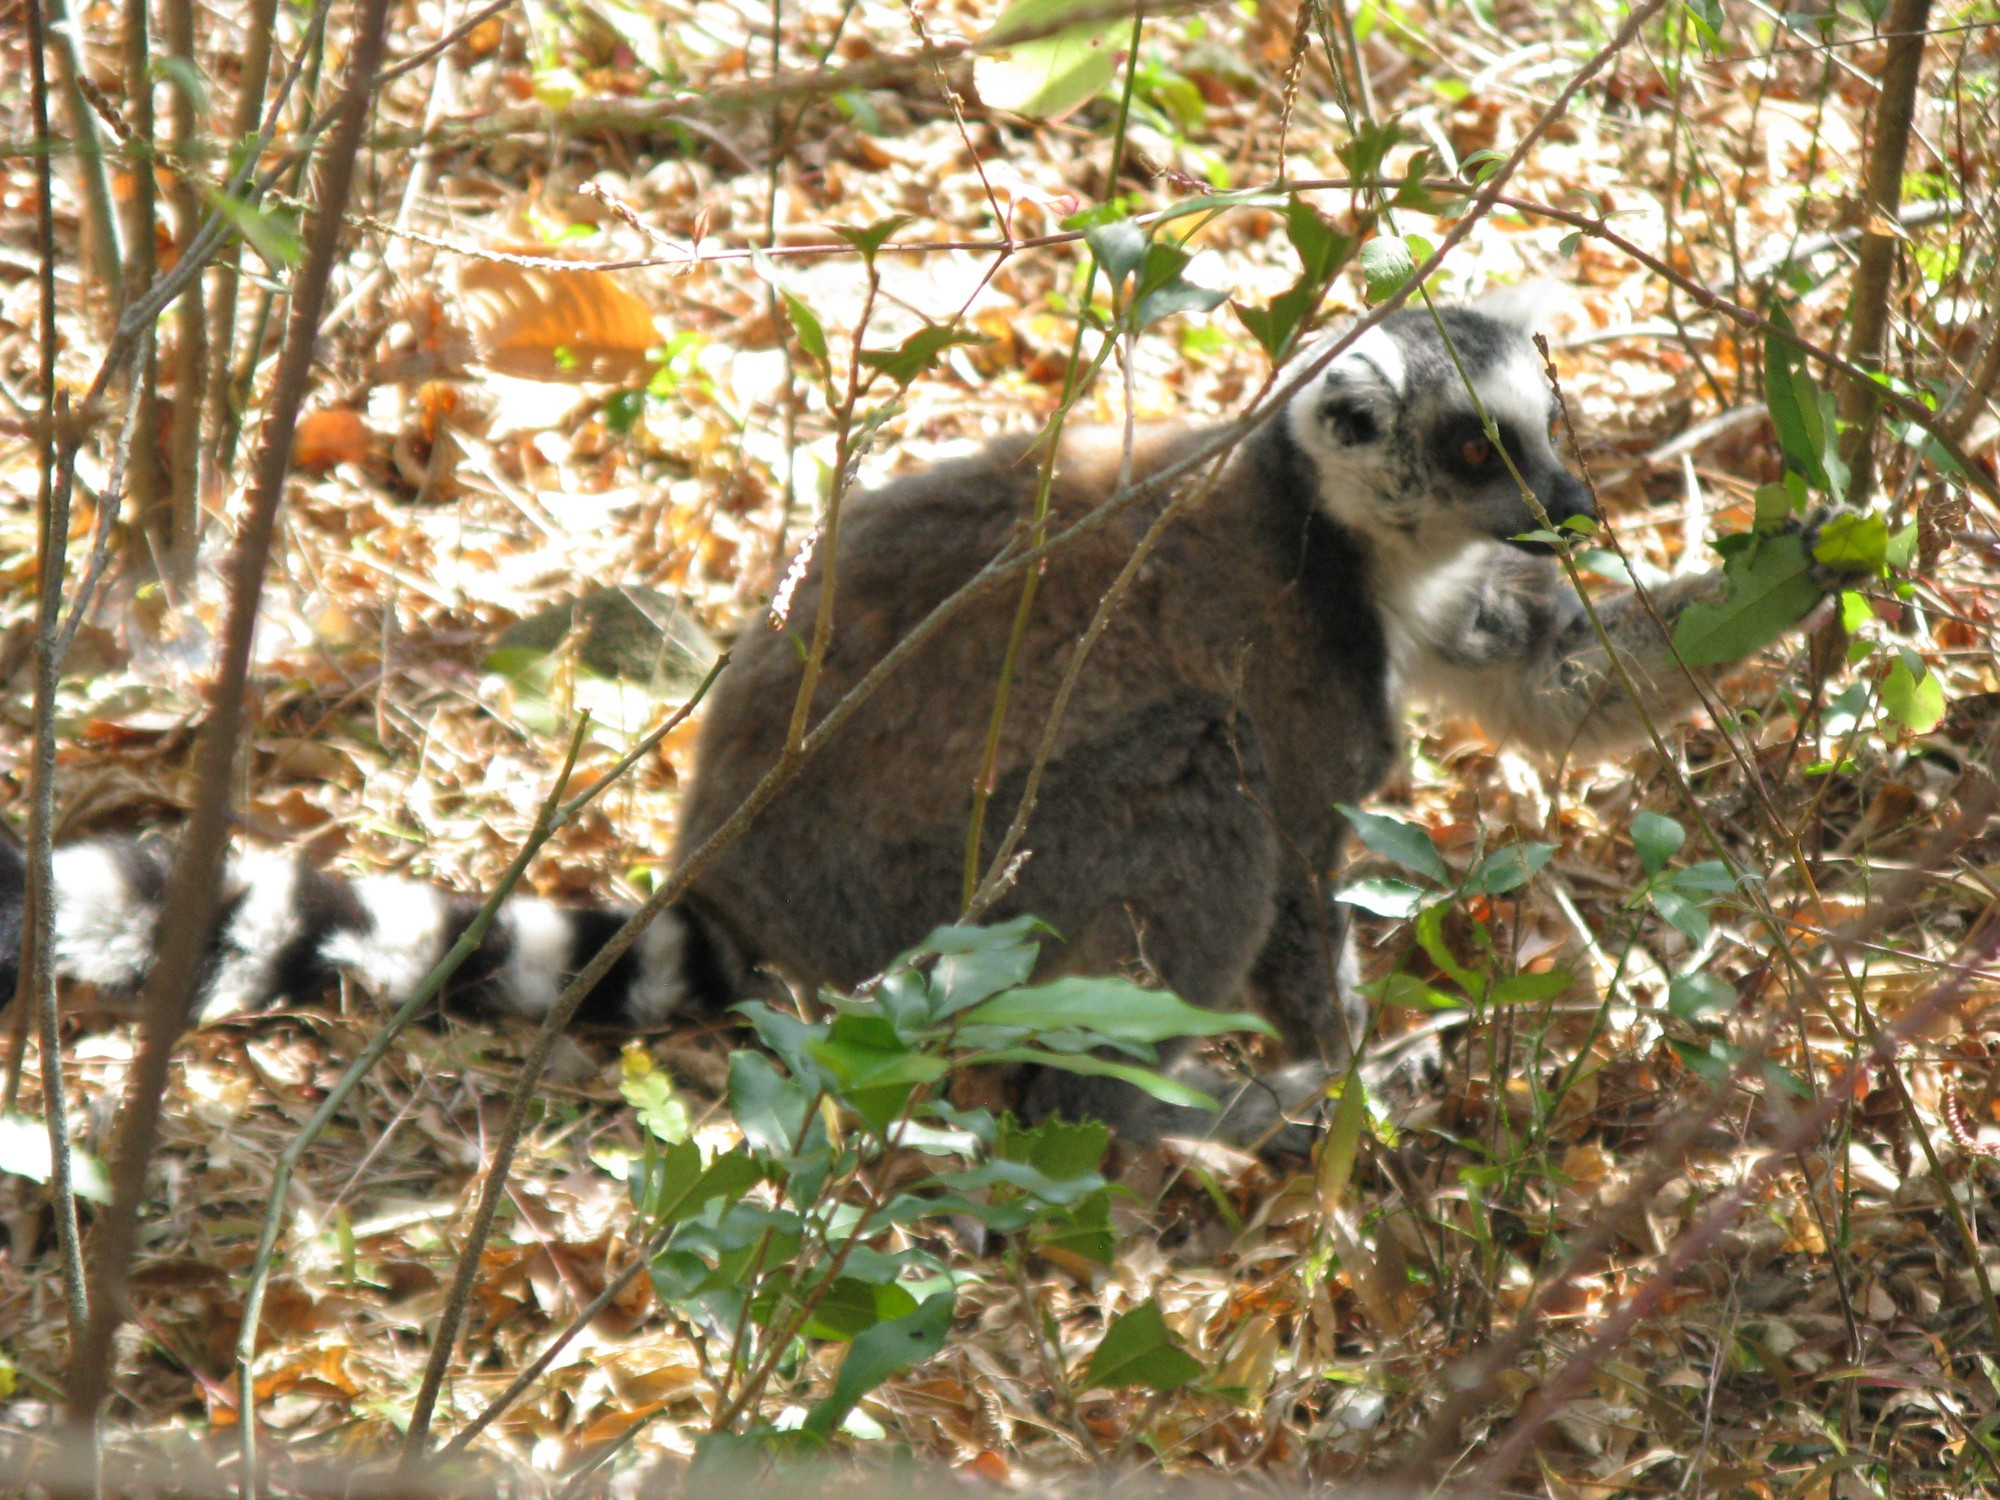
287, 930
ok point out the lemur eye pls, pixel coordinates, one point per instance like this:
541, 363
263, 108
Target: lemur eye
1476, 452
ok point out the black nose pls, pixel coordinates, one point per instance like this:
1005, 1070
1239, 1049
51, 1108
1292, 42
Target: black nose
1564, 496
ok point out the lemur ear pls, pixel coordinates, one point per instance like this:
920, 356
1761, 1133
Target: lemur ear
1360, 388
1525, 305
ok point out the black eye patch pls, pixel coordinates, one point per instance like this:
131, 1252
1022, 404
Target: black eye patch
1350, 420
1463, 450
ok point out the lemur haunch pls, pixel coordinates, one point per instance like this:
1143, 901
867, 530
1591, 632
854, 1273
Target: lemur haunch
1355, 550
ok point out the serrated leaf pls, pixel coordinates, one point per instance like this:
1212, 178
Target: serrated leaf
1139, 1350
1058, 1148
1769, 588
1408, 844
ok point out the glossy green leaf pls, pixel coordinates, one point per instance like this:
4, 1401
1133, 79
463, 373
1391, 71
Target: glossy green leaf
1395, 899
1112, 1008
881, 1351
1408, 844
1139, 1350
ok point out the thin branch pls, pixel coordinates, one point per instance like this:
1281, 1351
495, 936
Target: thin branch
1868, 305
37, 979
193, 887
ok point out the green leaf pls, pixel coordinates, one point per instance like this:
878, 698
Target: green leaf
976, 973
1800, 411
1853, 544
1057, 1148
1138, 1350
1333, 1165
1160, 1086
1707, 18
770, 1108
1024, 1177
1408, 844
1532, 989
918, 352
1657, 838
870, 241
849, 1306
1395, 899
1084, 1230
1855, 610
884, 1350
1385, 265
1120, 248
1504, 869
1917, 703
650, 1092
1115, 1009
1691, 996
1901, 552
1407, 992
1323, 250
1052, 74
1769, 588
272, 233
677, 1187
812, 337
1429, 932
1683, 915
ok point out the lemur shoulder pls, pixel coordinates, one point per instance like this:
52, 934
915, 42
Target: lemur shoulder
1358, 549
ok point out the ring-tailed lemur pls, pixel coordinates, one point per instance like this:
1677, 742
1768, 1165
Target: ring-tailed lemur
1359, 547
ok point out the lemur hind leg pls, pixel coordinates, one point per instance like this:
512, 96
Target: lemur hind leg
1150, 853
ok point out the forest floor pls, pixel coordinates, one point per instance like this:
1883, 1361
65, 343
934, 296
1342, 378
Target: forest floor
481, 444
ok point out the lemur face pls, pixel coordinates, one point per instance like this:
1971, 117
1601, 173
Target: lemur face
1402, 454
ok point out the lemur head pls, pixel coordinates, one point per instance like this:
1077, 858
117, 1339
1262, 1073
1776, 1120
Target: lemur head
1395, 435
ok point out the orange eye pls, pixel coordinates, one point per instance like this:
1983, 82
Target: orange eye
1476, 452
